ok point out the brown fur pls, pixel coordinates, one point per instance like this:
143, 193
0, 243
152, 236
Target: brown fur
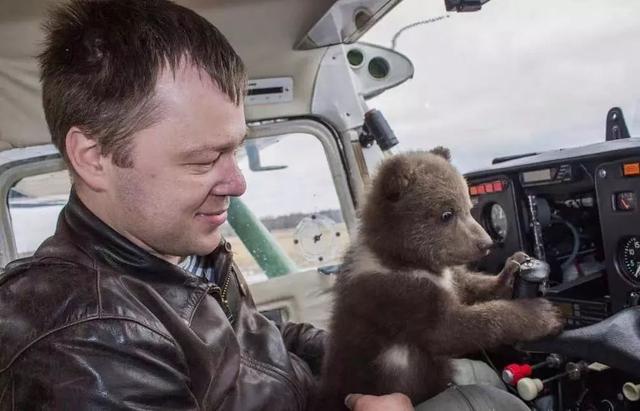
404, 303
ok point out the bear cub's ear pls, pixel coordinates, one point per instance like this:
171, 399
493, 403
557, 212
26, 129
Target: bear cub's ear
395, 178
442, 152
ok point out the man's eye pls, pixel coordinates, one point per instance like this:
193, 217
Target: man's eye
202, 166
447, 216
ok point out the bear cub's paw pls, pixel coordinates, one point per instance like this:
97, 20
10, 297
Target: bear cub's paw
511, 267
542, 318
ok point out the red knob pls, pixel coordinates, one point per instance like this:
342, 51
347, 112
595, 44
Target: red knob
513, 373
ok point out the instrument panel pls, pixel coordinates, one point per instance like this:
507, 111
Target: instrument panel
585, 204
618, 185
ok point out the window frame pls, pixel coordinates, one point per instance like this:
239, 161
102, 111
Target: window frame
332, 152
14, 166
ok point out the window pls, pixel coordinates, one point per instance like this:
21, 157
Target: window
34, 204
515, 77
290, 189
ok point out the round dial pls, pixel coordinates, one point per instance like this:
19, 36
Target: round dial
317, 238
498, 222
629, 258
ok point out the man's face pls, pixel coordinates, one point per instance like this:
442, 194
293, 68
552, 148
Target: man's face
173, 200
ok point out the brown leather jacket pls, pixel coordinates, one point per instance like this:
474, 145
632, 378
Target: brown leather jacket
94, 322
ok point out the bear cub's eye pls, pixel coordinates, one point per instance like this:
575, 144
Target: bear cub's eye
447, 216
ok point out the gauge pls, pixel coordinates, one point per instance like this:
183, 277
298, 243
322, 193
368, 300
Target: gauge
629, 258
625, 201
318, 238
497, 222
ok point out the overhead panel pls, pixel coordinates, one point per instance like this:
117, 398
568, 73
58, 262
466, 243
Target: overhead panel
345, 22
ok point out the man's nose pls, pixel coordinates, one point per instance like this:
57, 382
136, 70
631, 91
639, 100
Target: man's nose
232, 183
237, 184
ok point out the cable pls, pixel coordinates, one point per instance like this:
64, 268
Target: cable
412, 25
587, 172
576, 241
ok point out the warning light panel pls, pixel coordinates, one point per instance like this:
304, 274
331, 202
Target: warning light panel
487, 188
631, 169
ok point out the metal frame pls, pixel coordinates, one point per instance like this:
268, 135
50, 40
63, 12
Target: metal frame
14, 166
329, 143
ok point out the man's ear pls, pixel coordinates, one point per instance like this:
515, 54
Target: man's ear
86, 159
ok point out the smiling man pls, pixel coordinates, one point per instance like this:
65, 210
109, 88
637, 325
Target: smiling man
144, 99
173, 199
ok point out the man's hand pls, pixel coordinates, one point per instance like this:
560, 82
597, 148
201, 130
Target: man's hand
391, 402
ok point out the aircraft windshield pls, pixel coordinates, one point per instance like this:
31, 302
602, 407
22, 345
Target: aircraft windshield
519, 76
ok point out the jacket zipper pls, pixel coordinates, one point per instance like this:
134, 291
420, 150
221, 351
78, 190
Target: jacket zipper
225, 287
216, 292
221, 293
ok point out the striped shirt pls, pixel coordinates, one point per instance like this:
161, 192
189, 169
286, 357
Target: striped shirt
200, 266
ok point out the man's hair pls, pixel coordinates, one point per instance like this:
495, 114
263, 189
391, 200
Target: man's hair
102, 60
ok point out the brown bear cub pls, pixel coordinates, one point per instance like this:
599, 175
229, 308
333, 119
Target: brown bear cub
404, 302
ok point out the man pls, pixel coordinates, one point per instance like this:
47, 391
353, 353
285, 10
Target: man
144, 101
143, 98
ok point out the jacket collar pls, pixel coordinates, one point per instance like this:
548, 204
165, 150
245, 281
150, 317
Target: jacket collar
78, 225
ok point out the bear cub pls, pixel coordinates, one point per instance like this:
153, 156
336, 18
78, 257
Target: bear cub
404, 302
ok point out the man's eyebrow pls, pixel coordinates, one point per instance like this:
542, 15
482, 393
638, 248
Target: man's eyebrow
208, 148
229, 146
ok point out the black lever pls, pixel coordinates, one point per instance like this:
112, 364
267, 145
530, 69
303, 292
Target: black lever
532, 278
616, 126
377, 128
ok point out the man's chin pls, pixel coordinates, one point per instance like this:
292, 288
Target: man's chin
203, 244
207, 245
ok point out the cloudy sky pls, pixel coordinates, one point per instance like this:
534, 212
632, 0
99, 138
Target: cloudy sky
518, 76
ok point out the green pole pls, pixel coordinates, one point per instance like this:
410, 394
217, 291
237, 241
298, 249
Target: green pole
260, 243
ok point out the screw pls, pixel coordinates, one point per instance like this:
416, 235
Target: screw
602, 173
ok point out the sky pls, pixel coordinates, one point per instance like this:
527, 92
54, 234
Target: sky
518, 76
